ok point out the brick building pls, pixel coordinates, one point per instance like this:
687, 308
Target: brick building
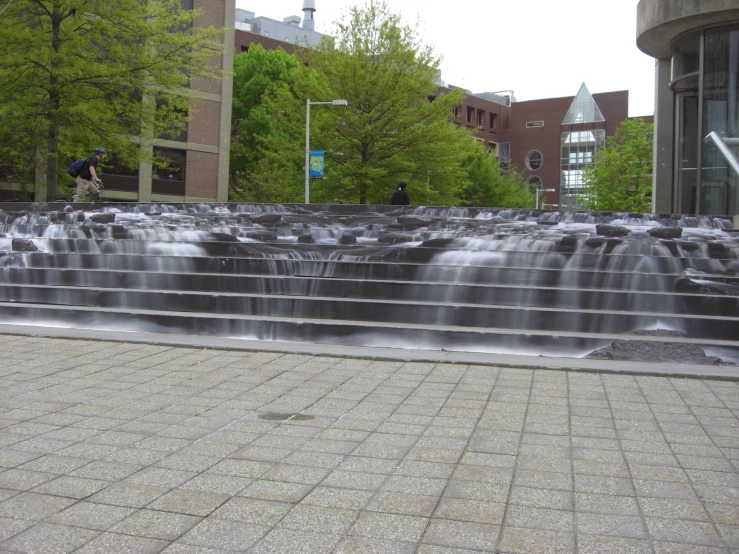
200, 154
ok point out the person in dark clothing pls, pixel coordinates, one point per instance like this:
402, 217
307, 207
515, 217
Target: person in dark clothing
401, 196
88, 181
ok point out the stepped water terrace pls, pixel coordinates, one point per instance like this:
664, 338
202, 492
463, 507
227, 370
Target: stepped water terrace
470, 280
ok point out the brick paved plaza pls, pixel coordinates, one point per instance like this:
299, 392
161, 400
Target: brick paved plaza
120, 447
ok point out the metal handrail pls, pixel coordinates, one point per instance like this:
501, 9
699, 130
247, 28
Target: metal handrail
723, 145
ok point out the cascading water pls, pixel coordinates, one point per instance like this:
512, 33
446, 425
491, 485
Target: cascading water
466, 279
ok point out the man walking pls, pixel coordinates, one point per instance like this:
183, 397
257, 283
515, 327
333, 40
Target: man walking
88, 178
401, 196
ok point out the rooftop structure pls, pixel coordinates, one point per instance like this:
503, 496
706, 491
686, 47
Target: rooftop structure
288, 30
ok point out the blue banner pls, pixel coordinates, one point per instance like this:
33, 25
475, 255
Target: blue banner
317, 164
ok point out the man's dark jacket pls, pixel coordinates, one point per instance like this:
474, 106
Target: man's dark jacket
401, 198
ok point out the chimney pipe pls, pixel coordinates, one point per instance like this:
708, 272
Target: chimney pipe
309, 8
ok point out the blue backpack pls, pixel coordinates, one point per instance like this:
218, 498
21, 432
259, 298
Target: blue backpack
75, 168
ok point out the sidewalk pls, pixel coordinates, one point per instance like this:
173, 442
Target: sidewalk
128, 447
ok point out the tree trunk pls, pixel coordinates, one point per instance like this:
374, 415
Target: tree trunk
52, 139
52, 162
363, 183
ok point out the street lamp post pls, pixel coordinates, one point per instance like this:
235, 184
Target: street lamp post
537, 195
308, 104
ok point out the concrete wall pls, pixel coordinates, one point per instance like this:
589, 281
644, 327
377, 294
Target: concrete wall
661, 21
664, 141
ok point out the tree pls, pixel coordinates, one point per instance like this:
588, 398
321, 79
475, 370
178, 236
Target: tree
396, 125
257, 74
489, 186
621, 179
75, 74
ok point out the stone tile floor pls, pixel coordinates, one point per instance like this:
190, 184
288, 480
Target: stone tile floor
116, 447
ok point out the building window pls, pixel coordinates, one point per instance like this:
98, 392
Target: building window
504, 152
186, 4
431, 98
470, 113
493, 121
170, 179
534, 160
504, 156
480, 118
11, 173
455, 113
492, 147
179, 105
534, 182
118, 176
534, 124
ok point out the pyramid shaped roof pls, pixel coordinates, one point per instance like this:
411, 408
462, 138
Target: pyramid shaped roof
583, 109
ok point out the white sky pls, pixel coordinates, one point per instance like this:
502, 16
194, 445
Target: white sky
538, 48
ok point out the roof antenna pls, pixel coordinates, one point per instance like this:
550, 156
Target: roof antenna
309, 8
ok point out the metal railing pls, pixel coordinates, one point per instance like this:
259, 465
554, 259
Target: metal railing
723, 145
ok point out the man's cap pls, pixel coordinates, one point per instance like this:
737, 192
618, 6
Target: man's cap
100, 150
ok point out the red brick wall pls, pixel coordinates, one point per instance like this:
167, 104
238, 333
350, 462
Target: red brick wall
244, 39
613, 105
486, 133
202, 174
214, 16
205, 125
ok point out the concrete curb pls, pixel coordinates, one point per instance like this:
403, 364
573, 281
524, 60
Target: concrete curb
729, 373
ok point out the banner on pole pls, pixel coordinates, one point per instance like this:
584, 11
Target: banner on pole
317, 164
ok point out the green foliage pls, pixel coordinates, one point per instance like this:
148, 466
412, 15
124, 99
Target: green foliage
489, 186
257, 74
395, 127
390, 130
621, 179
73, 75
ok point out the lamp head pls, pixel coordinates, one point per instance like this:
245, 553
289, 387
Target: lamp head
340, 102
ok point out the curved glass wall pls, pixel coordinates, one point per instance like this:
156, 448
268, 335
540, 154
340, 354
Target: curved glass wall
721, 114
705, 80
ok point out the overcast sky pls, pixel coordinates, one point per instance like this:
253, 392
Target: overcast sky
538, 48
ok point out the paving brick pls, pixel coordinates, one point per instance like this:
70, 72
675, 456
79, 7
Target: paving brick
195, 503
10, 527
91, 516
47, 537
389, 527
73, 487
155, 524
29, 505
114, 542
279, 541
253, 510
535, 541
681, 531
610, 524
128, 495
461, 534
364, 545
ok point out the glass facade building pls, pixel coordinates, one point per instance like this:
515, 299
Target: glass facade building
705, 81
697, 50
578, 152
